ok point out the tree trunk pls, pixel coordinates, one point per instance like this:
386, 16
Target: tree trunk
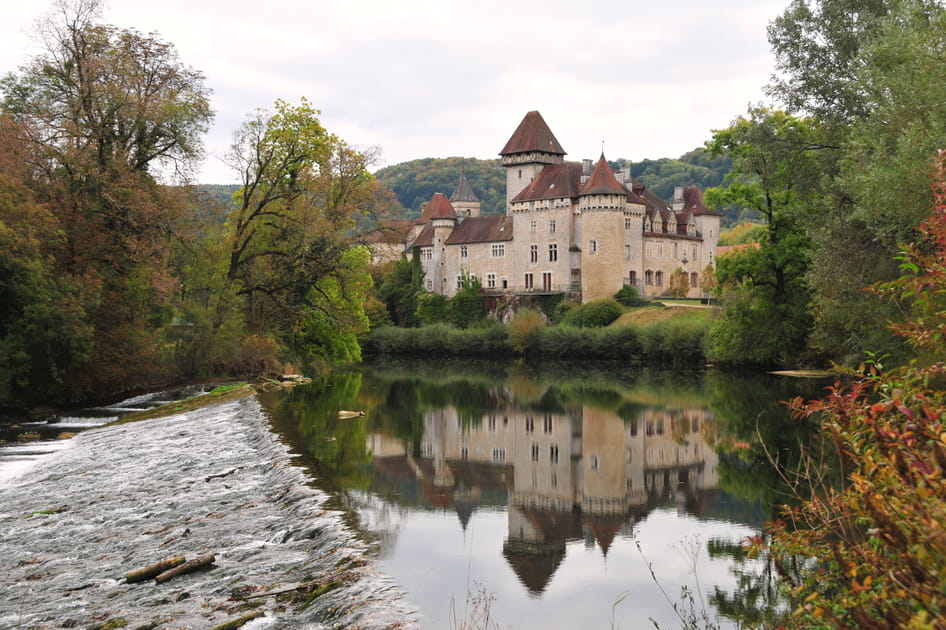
199, 562
146, 573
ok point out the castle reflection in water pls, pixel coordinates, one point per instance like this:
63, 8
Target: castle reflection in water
585, 474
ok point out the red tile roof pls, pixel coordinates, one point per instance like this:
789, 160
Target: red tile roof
482, 230
603, 181
438, 207
553, 182
693, 201
531, 135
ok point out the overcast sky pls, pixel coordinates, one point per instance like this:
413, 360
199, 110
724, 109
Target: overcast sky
441, 78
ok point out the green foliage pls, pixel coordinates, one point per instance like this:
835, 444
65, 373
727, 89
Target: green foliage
432, 308
593, 314
878, 564
415, 182
468, 306
765, 292
440, 340
400, 289
629, 297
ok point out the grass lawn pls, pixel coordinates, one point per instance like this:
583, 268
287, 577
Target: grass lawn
651, 315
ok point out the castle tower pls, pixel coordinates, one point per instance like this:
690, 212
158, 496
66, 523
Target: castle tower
601, 203
442, 220
531, 147
707, 226
464, 200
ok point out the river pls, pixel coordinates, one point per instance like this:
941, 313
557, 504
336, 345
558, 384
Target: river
557, 496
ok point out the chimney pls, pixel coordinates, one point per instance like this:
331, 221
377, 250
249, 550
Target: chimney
678, 199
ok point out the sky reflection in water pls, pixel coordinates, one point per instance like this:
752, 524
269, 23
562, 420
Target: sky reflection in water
533, 488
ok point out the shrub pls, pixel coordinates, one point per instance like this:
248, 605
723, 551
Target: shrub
628, 296
523, 328
432, 308
594, 314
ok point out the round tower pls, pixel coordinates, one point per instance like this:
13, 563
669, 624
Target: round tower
601, 203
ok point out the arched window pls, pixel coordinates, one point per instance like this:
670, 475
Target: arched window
694, 279
659, 279
648, 277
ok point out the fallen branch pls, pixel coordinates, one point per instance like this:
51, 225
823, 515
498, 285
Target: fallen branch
146, 573
239, 621
200, 562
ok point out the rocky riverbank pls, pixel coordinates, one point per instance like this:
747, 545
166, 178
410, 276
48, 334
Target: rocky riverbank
210, 480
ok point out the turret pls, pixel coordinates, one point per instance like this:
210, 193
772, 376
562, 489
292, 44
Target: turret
464, 200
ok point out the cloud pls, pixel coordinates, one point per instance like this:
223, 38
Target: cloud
426, 78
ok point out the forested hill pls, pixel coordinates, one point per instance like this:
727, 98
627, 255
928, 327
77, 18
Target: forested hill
416, 181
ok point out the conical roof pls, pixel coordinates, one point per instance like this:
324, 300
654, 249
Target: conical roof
533, 135
602, 181
438, 207
464, 192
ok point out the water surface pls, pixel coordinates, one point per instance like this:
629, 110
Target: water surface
554, 497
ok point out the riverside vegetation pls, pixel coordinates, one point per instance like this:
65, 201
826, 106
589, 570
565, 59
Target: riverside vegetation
117, 275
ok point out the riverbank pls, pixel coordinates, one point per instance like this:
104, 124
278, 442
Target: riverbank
213, 479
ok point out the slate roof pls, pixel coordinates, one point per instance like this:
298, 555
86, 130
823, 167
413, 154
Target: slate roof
464, 191
531, 135
482, 230
603, 181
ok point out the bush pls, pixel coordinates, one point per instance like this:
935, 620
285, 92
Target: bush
432, 308
523, 329
628, 296
594, 314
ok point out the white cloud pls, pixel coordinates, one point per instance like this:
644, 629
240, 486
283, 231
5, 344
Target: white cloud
432, 78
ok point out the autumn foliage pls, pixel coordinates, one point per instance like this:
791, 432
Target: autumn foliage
877, 544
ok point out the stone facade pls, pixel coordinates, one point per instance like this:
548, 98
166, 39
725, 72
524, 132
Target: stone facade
577, 228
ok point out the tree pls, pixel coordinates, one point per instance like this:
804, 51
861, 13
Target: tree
468, 306
775, 160
880, 561
291, 235
97, 116
870, 71
679, 283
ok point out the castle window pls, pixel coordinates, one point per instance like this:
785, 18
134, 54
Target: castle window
532, 226
427, 253
632, 278
649, 277
694, 279
553, 252
627, 251
530, 424
491, 281
593, 464
552, 226
592, 247
499, 250
693, 257
463, 251
499, 455
533, 253
535, 452
628, 223
553, 453
505, 283
659, 278
459, 281
546, 280
547, 423
528, 281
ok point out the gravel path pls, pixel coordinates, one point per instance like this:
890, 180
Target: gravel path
215, 479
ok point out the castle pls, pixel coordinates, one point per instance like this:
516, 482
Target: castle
576, 228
